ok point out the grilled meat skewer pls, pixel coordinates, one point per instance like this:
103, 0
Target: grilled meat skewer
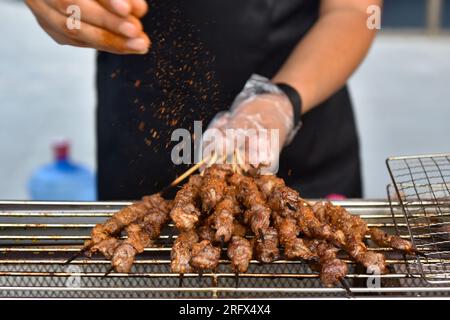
294, 247
223, 216
185, 213
181, 252
257, 215
204, 255
354, 229
102, 234
332, 269
140, 236
266, 247
288, 203
240, 253
383, 239
213, 186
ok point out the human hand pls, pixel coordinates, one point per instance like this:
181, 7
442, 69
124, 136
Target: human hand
106, 25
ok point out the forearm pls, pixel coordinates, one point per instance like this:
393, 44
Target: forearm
324, 60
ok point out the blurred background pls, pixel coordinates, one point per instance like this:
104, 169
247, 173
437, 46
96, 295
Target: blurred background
401, 94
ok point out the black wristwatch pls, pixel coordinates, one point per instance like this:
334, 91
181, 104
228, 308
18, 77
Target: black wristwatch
296, 101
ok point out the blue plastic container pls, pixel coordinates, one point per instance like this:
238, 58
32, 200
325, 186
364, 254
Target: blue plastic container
62, 180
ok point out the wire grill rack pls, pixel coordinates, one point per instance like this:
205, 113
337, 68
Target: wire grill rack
36, 239
422, 187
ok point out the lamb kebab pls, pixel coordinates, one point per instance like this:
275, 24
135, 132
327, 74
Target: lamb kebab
185, 213
140, 236
288, 203
332, 269
204, 256
223, 217
266, 247
181, 252
354, 229
257, 214
383, 239
213, 186
103, 235
294, 247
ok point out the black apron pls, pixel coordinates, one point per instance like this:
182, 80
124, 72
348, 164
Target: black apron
203, 52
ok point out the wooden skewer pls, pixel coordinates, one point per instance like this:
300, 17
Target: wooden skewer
189, 172
240, 160
236, 279
346, 286
111, 269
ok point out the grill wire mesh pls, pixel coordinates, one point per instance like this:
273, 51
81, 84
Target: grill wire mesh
36, 239
422, 185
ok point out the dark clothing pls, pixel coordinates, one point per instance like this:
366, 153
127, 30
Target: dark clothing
203, 53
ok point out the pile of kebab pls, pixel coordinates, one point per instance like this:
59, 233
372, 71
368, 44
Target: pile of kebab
254, 217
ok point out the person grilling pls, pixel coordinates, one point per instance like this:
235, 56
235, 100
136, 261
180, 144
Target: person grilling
162, 65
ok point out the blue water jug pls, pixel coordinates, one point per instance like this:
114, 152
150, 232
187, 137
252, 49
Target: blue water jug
62, 180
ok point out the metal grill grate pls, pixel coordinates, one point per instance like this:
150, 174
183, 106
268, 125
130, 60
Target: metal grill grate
35, 240
422, 185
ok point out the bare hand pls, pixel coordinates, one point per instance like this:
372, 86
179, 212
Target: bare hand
106, 25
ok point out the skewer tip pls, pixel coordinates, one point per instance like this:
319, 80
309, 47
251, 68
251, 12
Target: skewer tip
76, 255
236, 279
346, 286
180, 280
111, 269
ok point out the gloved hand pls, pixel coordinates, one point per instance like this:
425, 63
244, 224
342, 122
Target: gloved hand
259, 123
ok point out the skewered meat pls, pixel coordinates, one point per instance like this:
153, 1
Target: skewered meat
114, 225
266, 246
294, 248
213, 186
288, 203
332, 269
106, 247
223, 216
140, 235
239, 229
185, 213
206, 231
354, 229
257, 215
240, 253
204, 255
383, 239
127, 215
181, 252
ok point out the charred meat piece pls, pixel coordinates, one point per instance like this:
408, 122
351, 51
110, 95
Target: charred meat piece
213, 186
239, 229
383, 239
106, 247
354, 229
206, 231
288, 203
257, 215
266, 246
204, 255
332, 269
181, 252
114, 225
140, 236
240, 253
185, 213
297, 249
294, 248
223, 217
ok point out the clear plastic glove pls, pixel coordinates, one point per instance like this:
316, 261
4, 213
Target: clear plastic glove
259, 123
